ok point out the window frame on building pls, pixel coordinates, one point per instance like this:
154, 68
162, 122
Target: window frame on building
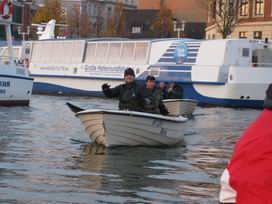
258, 36
244, 8
258, 8
220, 6
243, 35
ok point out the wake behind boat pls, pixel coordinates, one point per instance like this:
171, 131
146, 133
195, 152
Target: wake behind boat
180, 107
128, 128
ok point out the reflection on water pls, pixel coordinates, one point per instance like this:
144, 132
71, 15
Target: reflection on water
43, 161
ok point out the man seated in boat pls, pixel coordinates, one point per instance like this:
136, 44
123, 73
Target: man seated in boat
152, 98
248, 176
174, 91
163, 90
129, 93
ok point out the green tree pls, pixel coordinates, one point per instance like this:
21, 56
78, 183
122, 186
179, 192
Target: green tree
51, 10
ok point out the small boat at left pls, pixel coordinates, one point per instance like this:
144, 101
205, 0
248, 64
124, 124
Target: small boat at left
127, 128
15, 82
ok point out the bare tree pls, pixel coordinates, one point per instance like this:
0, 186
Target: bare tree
162, 26
79, 25
226, 14
116, 23
73, 21
98, 19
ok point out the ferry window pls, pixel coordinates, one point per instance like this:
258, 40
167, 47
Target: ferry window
27, 51
56, 51
36, 52
259, 7
155, 72
102, 52
16, 52
67, 52
90, 52
242, 34
257, 34
114, 53
141, 52
244, 8
46, 51
78, 49
245, 52
127, 52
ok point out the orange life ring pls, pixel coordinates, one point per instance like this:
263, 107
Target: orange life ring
6, 9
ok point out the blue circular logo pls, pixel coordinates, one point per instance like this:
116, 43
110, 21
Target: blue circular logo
181, 53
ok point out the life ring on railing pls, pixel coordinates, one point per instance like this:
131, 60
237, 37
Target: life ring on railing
6, 9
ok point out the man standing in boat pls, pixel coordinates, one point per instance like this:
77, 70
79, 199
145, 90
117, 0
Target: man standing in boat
152, 98
162, 87
129, 93
174, 91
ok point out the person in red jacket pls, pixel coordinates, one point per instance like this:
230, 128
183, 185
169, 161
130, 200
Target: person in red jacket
248, 176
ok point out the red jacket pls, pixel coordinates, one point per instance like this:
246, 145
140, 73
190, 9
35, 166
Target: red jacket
249, 172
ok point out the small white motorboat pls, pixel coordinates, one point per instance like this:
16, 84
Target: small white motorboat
180, 107
128, 128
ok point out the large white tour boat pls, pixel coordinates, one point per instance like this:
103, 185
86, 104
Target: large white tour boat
227, 72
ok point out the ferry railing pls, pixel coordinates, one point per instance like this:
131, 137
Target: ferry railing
261, 65
16, 61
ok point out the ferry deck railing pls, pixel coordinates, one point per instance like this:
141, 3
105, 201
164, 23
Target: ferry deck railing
16, 61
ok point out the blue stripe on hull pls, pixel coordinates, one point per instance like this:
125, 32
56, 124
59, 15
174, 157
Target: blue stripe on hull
46, 88
16, 77
188, 89
191, 93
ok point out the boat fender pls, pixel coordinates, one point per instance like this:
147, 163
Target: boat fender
6, 9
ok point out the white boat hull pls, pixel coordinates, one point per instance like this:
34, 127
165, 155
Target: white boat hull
122, 128
180, 107
15, 86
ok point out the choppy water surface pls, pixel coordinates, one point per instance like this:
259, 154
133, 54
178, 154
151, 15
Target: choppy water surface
42, 160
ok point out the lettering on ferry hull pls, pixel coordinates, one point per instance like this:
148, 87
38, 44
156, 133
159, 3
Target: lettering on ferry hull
54, 68
97, 70
3, 91
102, 68
4, 83
80, 70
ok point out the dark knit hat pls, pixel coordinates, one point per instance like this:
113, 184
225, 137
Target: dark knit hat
150, 77
268, 98
129, 71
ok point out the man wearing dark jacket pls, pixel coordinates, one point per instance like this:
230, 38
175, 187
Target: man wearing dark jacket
152, 98
128, 93
162, 87
175, 91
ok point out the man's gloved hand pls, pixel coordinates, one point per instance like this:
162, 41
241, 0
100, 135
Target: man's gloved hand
147, 101
105, 87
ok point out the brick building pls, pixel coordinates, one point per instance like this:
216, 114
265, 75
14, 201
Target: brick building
256, 20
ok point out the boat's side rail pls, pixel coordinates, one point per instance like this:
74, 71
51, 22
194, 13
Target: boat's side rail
133, 113
16, 61
261, 65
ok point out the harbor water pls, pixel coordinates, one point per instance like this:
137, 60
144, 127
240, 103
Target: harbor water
46, 157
